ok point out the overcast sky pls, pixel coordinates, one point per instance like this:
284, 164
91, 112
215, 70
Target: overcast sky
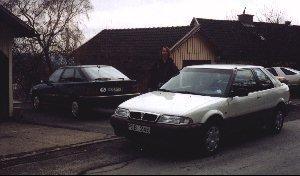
115, 14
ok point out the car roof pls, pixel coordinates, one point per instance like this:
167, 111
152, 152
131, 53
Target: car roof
85, 66
225, 66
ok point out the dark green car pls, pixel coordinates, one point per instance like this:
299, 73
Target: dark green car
80, 88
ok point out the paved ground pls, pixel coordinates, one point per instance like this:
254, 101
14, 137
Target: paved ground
19, 139
259, 155
245, 153
95, 121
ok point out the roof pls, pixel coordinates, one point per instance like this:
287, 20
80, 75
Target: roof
234, 40
132, 51
86, 66
132, 43
224, 66
20, 28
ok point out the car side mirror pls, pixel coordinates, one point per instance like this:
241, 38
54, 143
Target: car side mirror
239, 91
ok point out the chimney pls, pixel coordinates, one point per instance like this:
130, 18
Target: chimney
246, 19
288, 23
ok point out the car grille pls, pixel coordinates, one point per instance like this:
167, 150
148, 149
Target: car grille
143, 116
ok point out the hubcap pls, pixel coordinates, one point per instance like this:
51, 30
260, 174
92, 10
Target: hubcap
213, 139
279, 121
75, 109
36, 102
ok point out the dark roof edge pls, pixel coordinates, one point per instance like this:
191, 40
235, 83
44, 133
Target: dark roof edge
27, 31
186, 37
87, 42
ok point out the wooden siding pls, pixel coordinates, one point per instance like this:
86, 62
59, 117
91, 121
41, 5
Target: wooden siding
195, 48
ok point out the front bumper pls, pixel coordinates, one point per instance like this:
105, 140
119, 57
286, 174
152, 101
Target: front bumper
159, 132
111, 101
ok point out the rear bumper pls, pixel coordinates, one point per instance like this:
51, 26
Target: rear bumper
159, 132
111, 101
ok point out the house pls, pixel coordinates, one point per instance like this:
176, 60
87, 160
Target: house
10, 27
243, 41
204, 41
132, 51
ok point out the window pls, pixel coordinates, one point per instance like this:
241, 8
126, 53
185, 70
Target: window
104, 73
288, 72
68, 75
200, 81
264, 80
244, 78
78, 76
273, 71
55, 76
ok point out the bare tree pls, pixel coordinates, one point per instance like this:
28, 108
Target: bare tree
272, 15
56, 25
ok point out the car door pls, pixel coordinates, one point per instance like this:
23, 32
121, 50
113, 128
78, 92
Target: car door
65, 87
49, 93
266, 89
240, 106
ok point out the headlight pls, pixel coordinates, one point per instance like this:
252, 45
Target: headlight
174, 120
124, 113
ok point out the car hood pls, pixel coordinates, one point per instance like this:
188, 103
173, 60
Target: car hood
168, 103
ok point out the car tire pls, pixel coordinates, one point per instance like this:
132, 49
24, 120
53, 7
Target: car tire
212, 137
76, 110
277, 121
36, 103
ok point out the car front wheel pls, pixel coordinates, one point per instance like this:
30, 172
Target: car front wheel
212, 138
76, 109
36, 103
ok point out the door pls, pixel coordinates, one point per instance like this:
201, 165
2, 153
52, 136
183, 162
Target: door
49, 93
240, 106
4, 85
266, 88
65, 87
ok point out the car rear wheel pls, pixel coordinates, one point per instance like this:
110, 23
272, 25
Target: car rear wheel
212, 138
277, 122
76, 109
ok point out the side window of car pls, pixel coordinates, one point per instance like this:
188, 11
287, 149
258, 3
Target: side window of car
264, 80
273, 71
287, 72
78, 76
54, 78
68, 75
244, 78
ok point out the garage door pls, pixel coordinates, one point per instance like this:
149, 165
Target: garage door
4, 87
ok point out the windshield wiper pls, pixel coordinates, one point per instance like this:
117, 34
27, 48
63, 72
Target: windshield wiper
102, 79
187, 92
165, 90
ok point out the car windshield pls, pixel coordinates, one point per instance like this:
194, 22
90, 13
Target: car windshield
104, 73
199, 81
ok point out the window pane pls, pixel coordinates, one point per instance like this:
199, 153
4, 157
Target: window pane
78, 76
68, 75
105, 72
55, 76
273, 71
288, 72
200, 81
264, 79
244, 77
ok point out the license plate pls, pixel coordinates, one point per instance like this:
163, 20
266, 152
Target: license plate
139, 128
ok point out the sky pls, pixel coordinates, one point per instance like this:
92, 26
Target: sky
119, 14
